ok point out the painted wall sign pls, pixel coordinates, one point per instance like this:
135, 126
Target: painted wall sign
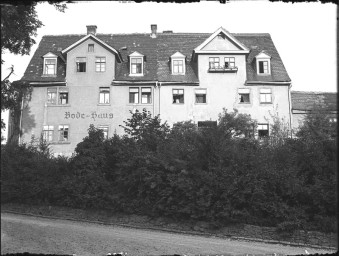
94, 115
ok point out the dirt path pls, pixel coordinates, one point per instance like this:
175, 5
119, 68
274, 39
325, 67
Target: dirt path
20, 233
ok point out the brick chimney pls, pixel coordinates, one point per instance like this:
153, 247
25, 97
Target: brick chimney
154, 30
91, 29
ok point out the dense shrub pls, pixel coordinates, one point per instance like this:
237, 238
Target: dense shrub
219, 174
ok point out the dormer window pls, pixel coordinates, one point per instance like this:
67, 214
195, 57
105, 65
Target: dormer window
263, 62
178, 64
136, 64
50, 64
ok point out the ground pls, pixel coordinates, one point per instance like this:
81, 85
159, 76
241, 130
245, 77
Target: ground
22, 233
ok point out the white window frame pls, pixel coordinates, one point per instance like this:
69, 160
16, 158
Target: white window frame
63, 90
229, 61
76, 64
177, 92
55, 66
259, 128
195, 95
135, 91
54, 91
102, 64
244, 91
183, 66
146, 90
142, 66
103, 128
60, 127
264, 92
49, 129
102, 92
90, 45
209, 62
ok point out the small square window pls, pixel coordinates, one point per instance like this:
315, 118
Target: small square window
51, 95
100, 64
81, 64
229, 62
178, 96
263, 130
200, 95
63, 132
134, 95
48, 133
244, 95
104, 129
265, 96
104, 93
214, 62
146, 95
91, 48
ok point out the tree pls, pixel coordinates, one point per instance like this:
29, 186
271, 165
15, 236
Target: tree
19, 24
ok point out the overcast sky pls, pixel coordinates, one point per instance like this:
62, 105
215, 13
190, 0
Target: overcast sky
303, 33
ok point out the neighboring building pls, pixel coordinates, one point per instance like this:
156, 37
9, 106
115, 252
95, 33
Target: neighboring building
98, 79
307, 102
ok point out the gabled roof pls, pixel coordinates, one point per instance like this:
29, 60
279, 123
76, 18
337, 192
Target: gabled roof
306, 101
263, 54
94, 38
229, 37
157, 52
178, 55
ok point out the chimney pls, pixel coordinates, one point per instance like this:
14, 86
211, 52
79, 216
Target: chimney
91, 29
154, 30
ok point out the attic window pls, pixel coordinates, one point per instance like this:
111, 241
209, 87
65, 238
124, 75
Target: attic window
178, 64
50, 65
136, 66
221, 36
263, 63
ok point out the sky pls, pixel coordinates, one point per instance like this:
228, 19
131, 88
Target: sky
303, 33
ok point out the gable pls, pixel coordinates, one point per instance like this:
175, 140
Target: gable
50, 55
93, 39
263, 55
220, 44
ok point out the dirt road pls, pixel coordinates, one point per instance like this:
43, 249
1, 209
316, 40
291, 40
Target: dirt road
20, 233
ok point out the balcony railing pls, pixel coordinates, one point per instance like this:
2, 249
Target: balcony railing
213, 68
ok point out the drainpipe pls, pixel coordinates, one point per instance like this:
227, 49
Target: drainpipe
22, 108
159, 96
290, 107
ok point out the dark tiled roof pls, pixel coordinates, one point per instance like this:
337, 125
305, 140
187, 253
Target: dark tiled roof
308, 100
157, 52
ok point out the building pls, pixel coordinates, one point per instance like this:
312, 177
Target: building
304, 103
98, 79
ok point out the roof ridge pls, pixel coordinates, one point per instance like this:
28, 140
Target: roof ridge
313, 92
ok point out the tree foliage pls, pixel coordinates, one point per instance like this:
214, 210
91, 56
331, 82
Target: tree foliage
213, 174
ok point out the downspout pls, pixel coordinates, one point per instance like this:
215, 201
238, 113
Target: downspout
159, 97
290, 107
20, 123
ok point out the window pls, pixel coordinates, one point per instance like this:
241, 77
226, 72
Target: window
178, 66
50, 66
104, 129
265, 96
263, 67
136, 65
146, 95
229, 62
91, 48
81, 64
51, 95
178, 96
214, 62
100, 64
104, 95
63, 132
263, 130
63, 96
133, 95
47, 132
244, 95
200, 95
